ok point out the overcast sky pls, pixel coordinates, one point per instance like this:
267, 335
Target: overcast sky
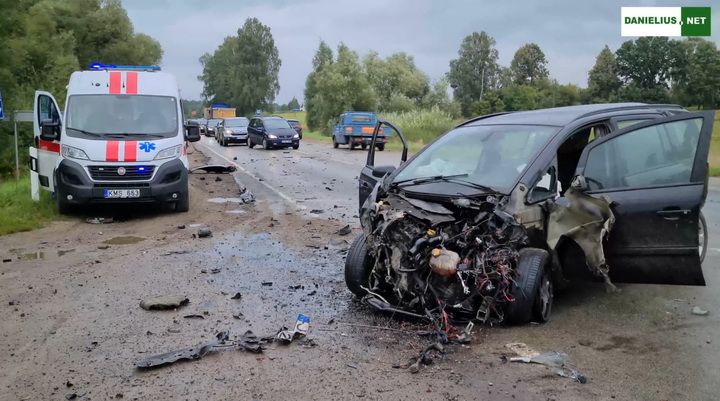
570, 32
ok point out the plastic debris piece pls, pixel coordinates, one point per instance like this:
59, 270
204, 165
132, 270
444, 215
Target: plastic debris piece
164, 302
204, 233
344, 231
696, 310
557, 361
215, 168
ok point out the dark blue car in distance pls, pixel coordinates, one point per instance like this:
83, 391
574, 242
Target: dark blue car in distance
356, 128
272, 132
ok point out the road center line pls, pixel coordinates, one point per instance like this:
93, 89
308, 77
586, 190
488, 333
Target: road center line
256, 178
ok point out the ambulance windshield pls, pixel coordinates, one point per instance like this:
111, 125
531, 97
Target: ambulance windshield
98, 116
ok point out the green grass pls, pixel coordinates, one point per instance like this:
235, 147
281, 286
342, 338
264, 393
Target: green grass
18, 212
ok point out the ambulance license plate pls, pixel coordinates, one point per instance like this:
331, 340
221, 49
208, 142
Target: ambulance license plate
121, 193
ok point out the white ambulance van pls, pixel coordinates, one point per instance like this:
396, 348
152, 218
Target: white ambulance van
122, 138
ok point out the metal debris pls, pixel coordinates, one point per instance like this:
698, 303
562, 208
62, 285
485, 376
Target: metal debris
204, 233
344, 231
164, 302
99, 220
302, 325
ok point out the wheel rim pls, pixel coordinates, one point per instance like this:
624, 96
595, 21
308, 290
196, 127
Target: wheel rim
545, 296
265, 143
701, 237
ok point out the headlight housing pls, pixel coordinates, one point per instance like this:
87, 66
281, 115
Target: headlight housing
73, 153
296, 136
228, 131
271, 136
170, 152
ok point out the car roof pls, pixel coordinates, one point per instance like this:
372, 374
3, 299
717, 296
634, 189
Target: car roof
270, 118
292, 120
235, 118
560, 116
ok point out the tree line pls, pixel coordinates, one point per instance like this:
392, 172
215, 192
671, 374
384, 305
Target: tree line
43, 41
243, 71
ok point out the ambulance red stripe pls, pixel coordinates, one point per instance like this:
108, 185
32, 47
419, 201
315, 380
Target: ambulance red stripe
49, 146
115, 82
131, 151
131, 83
111, 151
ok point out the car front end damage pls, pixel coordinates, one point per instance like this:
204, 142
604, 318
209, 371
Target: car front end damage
459, 259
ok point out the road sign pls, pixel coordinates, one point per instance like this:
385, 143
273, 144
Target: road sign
2, 115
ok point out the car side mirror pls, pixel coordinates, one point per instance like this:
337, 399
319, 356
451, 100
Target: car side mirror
49, 130
579, 183
382, 171
192, 131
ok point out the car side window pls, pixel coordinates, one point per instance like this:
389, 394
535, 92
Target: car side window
661, 154
626, 123
546, 187
46, 109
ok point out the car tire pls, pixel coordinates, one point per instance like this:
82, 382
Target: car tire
250, 143
352, 145
357, 266
335, 143
703, 236
531, 272
363, 146
63, 207
183, 204
296, 147
381, 147
265, 144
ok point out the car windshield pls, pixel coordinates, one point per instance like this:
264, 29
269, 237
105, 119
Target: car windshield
275, 123
213, 123
294, 123
489, 155
99, 115
236, 122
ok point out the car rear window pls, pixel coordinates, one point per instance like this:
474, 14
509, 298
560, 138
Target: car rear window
359, 118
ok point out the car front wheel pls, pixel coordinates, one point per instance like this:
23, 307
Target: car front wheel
357, 267
265, 144
532, 290
702, 237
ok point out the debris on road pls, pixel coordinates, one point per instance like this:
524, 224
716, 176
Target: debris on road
317, 211
215, 169
698, 311
559, 362
99, 220
344, 231
204, 233
164, 302
194, 316
181, 226
424, 358
267, 283
302, 325
236, 296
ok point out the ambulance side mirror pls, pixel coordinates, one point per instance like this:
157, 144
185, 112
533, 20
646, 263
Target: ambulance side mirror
49, 130
192, 131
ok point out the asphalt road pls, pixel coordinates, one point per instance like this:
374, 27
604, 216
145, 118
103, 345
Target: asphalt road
642, 343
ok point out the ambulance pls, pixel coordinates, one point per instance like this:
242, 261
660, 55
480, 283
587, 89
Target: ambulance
121, 139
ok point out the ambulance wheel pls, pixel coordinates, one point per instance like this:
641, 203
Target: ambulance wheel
183, 205
62, 206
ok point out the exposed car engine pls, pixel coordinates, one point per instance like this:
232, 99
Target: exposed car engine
455, 261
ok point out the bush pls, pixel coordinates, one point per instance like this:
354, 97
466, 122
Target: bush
421, 125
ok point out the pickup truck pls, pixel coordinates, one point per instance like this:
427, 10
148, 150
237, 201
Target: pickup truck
356, 128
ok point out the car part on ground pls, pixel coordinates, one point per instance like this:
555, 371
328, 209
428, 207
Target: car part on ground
215, 169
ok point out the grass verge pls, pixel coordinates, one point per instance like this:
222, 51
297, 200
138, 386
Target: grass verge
18, 212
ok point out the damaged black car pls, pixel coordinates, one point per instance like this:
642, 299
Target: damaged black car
487, 221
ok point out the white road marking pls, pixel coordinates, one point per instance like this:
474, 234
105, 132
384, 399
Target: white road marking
263, 182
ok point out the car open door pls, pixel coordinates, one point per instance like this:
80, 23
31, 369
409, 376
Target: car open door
47, 125
655, 173
370, 174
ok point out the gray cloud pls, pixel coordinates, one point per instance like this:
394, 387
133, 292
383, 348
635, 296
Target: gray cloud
570, 32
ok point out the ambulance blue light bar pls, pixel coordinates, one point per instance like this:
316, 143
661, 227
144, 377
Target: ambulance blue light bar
100, 66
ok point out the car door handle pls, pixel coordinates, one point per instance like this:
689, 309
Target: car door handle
673, 213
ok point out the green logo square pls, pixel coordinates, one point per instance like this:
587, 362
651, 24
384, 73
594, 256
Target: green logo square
695, 21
